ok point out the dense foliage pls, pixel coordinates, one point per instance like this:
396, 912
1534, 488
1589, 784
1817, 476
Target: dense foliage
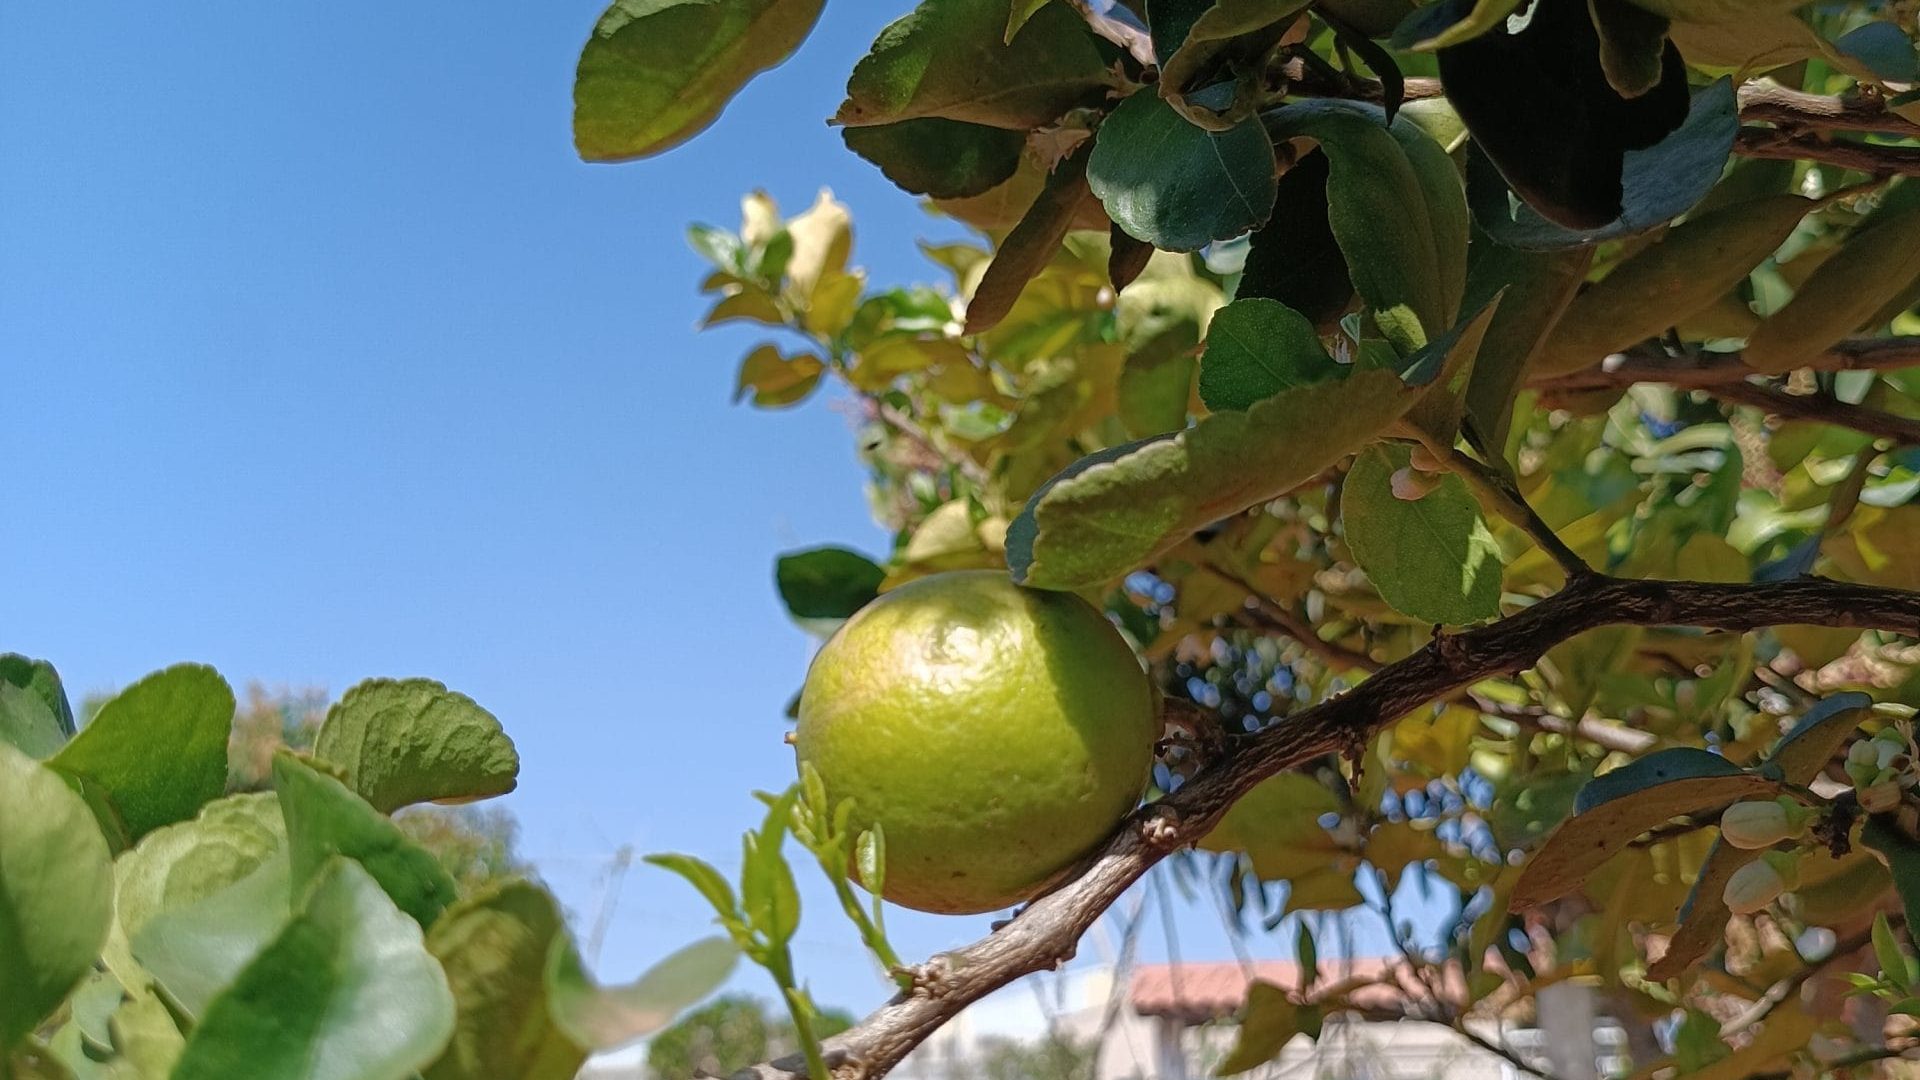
1305, 334
153, 925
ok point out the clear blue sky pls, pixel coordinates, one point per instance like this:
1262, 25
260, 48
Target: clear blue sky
324, 357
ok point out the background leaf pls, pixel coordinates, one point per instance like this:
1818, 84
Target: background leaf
403, 741
494, 949
939, 158
195, 950
604, 1018
656, 72
34, 714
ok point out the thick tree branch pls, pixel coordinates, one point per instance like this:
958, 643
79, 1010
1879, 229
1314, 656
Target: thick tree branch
1045, 933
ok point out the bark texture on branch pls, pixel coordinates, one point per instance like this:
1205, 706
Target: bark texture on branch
1046, 932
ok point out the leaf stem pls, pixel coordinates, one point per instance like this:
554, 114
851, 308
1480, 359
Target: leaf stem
1497, 493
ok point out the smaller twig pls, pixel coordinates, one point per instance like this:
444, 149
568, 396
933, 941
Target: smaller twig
1787, 987
1785, 145
1875, 422
1707, 371
1499, 494
1279, 619
907, 426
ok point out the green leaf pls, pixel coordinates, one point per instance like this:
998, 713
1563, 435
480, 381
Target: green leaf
1177, 186
1615, 808
1116, 509
1883, 834
34, 714
1432, 558
711, 884
1884, 48
1534, 290
346, 991
606, 1018
1886, 949
1658, 183
942, 159
147, 1038
1277, 826
767, 891
1295, 258
657, 72
1270, 1022
950, 58
325, 818
403, 741
1154, 389
494, 949
1255, 349
157, 751
56, 893
189, 861
1805, 750
1387, 210
826, 582
776, 380
1428, 28
1221, 29
196, 950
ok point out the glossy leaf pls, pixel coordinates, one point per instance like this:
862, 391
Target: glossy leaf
1255, 349
403, 741
56, 897
1177, 186
1432, 558
345, 991
157, 751
325, 819
655, 73
1616, 807
951, 59
494, 949
1658, 183
608, 1017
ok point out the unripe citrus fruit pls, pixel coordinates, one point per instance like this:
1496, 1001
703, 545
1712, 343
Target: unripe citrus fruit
996, 733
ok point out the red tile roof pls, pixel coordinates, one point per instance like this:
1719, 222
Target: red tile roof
1195, 993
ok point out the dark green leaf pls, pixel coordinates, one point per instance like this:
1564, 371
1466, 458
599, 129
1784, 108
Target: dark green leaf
345, 991
1154, 389
326, 819
494, 949
1539, 105
1615, 808
1177, 186
1659, 183
950, 58
943, 159
657, 72
1804, 751
1883, 834
1534, 289
403, 741
56, 893
157, 751
827, 582
1294, 257
1257, 348
1884, 48
608, 1017
34, 714
1432, 558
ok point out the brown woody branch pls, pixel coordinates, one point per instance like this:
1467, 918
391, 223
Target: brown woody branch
1876, 422
1711, 370
1045, 933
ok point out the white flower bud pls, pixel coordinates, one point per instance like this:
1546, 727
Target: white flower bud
1753, 887
1756, 824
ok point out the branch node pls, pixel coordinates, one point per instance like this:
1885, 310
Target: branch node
932, 979
1161, 828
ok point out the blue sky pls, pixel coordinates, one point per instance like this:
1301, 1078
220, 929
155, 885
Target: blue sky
324, 357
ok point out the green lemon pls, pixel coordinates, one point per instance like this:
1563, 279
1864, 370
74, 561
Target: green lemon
996, 733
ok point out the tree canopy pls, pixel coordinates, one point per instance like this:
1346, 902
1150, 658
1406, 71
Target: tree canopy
1494, 425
